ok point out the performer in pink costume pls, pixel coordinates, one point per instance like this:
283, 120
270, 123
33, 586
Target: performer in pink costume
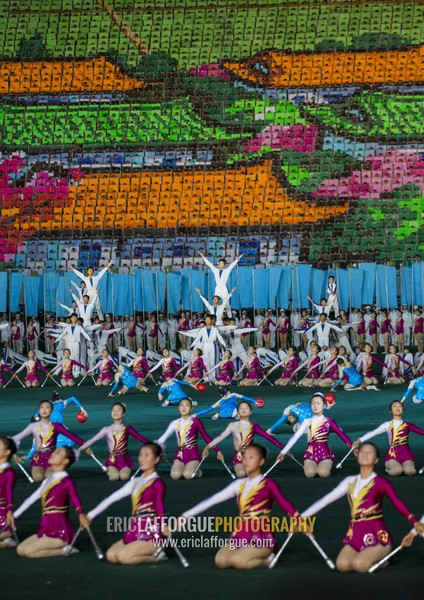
399, 458
56, 493
254, 369
367, 539
251, 545
364, 366
7, 485
146, 528
187, 429
106, 367
418, 330
45, 434
196, 366
4, 367
392, 360
168, 364
312, 364
330, 374
226, 369
66, 365
318, 457
139, 365
31, 365
243, 433
118, 462
290, 364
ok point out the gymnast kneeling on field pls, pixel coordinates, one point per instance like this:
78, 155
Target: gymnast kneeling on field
141, 543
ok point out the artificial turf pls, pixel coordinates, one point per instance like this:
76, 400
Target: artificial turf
301, 571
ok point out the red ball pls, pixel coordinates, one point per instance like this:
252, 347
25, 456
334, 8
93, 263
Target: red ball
260, 402
201, 387
81, 417
330, 398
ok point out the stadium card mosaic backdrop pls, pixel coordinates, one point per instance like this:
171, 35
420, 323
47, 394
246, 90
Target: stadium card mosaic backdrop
157, 114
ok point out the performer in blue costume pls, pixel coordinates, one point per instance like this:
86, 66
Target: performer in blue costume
174, 390
295, 414
227, 405
128, 380
355, 380
419, 385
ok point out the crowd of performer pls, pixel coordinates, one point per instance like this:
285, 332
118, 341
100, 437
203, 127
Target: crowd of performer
305, 351
320, 345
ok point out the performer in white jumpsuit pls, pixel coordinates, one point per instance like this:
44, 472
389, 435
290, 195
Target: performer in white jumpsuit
221, 274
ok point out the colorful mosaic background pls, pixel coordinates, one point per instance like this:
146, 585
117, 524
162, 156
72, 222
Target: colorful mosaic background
133, 114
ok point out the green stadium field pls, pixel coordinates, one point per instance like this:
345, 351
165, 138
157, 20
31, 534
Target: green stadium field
301, 572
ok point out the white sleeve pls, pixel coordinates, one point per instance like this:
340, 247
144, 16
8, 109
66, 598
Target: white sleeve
123, 492
338, 492
227, 431
294, 438
29, 430
85, 334
231, 267
157, 365
101, 273
29, 501
384, 427
230, 491
80, 275
170, 430
101, 434
220, 339
210, 265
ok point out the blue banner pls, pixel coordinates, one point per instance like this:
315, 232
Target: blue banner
319, 285
280, 286
368, 284
418, 284
260, 287
32, 294
3, 290
406, 286
161, 289
106, 292
386, 287
355, 281
301, 285
123, 295
273, 284
342, 280
15, 291
51, 286
245, 289
145, 291
284, 288
174, 292
190, 280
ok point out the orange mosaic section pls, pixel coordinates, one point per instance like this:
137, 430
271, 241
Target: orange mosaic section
250, 195
335, 68
95, 75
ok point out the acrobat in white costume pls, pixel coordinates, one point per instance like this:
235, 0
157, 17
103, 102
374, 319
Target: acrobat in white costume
85, 311
92, 284
332, 298
221, 274
323, 330
218, 309
71, 335
207, 339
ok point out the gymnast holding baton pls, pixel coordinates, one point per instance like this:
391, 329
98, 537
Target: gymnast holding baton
367, 540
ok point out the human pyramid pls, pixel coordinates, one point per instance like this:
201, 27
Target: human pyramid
368, 543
